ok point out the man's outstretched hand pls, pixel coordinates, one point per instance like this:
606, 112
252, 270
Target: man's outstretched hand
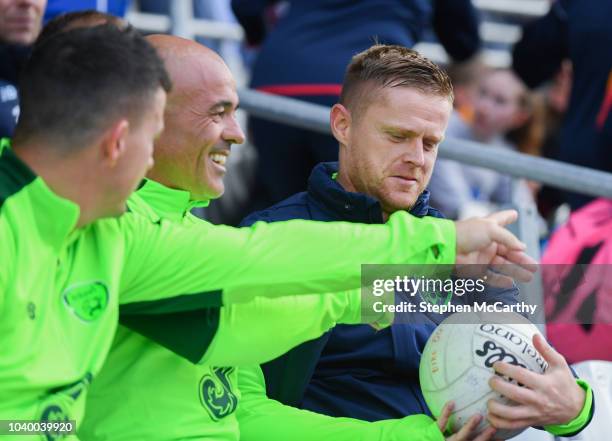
486, 241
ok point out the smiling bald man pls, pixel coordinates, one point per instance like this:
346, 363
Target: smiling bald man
200, 120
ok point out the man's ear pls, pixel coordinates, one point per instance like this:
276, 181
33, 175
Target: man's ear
114, 142
340, 122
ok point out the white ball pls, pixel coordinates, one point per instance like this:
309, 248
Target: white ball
458, 358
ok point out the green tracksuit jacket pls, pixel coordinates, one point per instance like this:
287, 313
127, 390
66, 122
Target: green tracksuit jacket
61, 287
176, 399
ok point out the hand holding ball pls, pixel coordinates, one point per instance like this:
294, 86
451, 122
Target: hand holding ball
458, 359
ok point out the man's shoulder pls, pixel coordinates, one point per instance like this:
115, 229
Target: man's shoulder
136, 204
294, 207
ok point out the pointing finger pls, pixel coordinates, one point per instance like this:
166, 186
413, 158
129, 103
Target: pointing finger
504, 217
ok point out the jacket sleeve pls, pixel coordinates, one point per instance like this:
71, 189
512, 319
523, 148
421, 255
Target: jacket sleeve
284, 258
175, 280
456, 25
245, 329
5, 143
537, 56
263, 419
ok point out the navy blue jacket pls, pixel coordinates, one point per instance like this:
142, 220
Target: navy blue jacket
351, 371
580, 31
9, 109
12, 60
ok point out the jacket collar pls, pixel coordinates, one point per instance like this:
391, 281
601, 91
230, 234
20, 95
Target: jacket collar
5, 143
353, 207
55, 216
168, 203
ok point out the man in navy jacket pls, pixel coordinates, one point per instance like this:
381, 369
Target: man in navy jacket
388, 126
335, 373
304, 57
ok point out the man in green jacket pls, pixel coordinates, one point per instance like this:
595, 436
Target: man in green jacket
92, 103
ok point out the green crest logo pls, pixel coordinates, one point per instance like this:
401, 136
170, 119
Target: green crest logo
216, 394
54, 414
88, 300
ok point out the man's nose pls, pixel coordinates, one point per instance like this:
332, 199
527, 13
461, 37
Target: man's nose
233, 132
415, 154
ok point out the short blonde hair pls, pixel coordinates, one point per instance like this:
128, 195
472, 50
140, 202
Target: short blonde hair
386, 66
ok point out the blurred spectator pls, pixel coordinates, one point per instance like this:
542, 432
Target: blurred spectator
20, 21
9, 108
305, 55
580, 31
465, 77
504, 117
20, 24
578, 284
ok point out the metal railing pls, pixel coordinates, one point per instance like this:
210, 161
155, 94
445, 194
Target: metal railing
554, 173
521, 8
185, 25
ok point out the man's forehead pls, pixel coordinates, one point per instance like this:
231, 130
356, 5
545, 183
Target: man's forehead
401, 94
406, 104
221, 95
210, 67
206, 84
193, 68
